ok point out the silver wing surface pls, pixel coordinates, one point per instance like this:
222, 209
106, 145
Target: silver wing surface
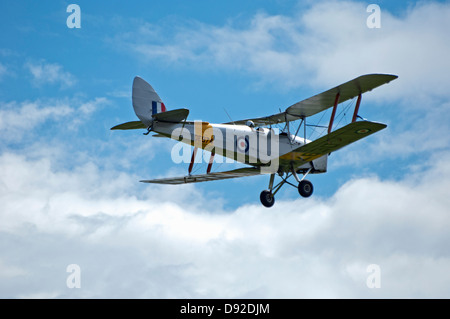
240, 172
324, 100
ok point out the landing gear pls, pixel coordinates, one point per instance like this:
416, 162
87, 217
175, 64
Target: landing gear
267, 198
305, 188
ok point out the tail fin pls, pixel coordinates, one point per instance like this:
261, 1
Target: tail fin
146, 102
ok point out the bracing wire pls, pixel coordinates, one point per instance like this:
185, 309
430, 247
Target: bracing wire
344, 110
341, 115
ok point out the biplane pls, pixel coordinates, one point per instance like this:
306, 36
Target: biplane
254, 141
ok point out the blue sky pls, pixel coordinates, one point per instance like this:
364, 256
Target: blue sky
62, 89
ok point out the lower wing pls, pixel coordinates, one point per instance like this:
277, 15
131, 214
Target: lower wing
240, 172
333, 141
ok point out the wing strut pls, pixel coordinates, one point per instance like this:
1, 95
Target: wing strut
211, 159
355, 113
333, 114
194, 153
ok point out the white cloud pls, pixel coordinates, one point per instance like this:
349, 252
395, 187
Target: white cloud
17, 119
321, 46
49, 73
169, 242
410, 46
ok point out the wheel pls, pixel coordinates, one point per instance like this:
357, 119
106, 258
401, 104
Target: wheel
267, 199
305, 188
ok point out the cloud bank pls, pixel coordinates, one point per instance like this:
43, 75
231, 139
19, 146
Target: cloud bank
133, 242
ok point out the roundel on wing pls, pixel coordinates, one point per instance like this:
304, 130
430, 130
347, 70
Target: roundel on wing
363, 131
242, 144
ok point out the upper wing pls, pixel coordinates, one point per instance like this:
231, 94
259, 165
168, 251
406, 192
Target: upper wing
332, 142
347, 91
324, 100
240, 172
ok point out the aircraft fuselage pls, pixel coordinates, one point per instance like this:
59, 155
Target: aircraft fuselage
248, 145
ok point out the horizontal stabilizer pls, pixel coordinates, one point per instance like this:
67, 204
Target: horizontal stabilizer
240, 172
173, 116
129, 126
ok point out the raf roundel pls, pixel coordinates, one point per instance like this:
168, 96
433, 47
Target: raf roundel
363, 131
242, 144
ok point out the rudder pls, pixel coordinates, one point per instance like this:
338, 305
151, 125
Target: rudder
146, 102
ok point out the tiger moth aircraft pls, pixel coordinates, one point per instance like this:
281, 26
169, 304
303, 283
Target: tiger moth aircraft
254, 141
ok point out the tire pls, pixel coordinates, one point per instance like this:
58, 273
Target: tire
267, 199
305, 188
